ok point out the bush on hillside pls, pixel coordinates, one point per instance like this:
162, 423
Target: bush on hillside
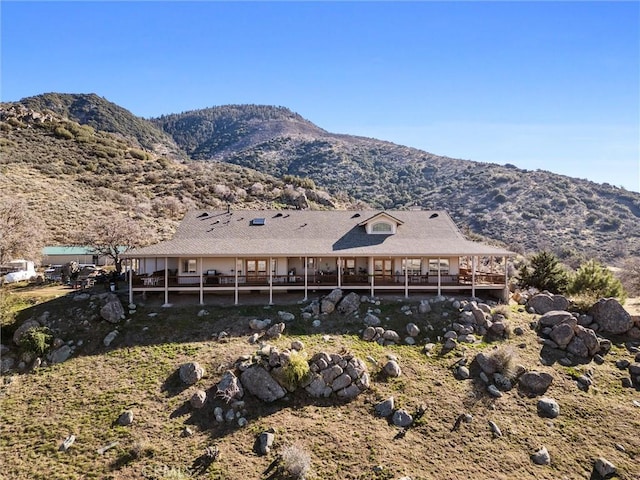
595, 280
37, 340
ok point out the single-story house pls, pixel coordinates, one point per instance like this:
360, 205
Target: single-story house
301, 250
272, 251
63, 254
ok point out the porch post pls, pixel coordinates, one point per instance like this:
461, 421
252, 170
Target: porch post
406, 278
339, 272
201, 284
131, 280
166, 280
270, 282
235, 269
373, 294
506, 281
439, 278
473, 275
372, 276
306, 279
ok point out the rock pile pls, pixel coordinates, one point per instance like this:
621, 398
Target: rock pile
343, 375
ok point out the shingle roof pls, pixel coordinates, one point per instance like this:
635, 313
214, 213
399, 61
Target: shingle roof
314, 233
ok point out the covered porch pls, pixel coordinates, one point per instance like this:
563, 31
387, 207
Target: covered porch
304, 275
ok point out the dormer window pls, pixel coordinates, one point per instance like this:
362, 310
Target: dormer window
381, 224
381, 227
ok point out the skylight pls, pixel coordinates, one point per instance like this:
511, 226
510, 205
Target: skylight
257, 221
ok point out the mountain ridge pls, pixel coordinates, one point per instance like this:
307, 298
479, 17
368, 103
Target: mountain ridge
527, 210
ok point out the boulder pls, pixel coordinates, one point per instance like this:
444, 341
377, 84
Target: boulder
486, 364
259, 383
562, 334
611, 316
589, 338
371, 320
385, 408
275, 330
286, 316
391, 336
256, 324
229, 387
61, 354
604, 467
190, 373
546, 302
265, 442
198, 399
327, 306
578, 348
111, 336
335, 296
401, 418
113, 311
349, 304
541, 457
555, 317
125, 418
548, 407
424, 307
535, 383
413, 330
392, 369
369, 334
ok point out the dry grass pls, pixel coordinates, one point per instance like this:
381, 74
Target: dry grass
84, 396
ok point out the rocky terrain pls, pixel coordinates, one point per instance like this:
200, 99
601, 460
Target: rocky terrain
66, 152
342, 386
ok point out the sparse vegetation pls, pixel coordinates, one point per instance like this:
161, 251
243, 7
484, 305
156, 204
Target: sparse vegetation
295, 463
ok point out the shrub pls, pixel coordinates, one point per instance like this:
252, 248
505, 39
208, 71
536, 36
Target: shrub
296, 370
504, 359
63, 133
503, 310
545, 273
36, 340
594, 279
295, 463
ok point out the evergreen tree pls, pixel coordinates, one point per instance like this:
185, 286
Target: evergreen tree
545, 272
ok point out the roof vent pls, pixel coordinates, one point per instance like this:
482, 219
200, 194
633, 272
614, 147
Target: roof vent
355, 215
202, 215
257, 221
277, 215
433, 215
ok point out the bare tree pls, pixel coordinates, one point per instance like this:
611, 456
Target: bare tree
113, 237
21, 232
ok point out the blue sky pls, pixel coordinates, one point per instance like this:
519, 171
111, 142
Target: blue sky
541, 85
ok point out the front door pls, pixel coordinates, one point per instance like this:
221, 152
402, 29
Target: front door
382, 269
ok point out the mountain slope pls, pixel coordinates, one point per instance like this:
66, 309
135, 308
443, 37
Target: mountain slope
528, 210
72, 174
99, 113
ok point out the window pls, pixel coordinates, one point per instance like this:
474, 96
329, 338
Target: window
349, 266
413, 266
189, 266
259, 267
441, 265
382, 266
381, 227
